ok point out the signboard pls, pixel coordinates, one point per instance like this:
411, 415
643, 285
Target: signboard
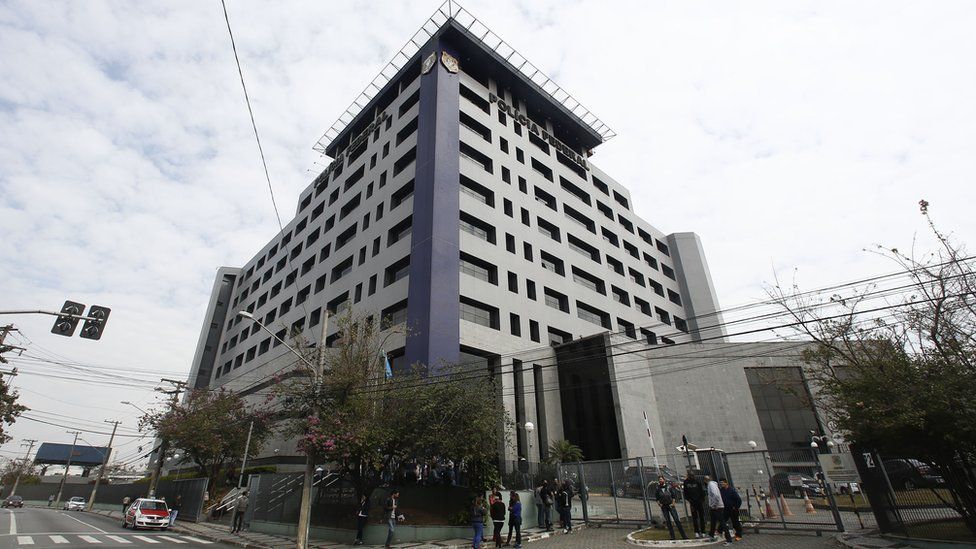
839, 468
796, 480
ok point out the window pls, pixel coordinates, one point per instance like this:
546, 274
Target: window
542, 169
587, 280
474, 226
617, 266
507, 207
342, 269
515, 324
354, 178
527, 251
393, 315
651, 262
379, 211
545, 198
548, 229
477, 127
662, 315
409, 129
285, 307
592, 314
650, 336
680, 324
534, 331
551, 263
326, 251
667, 271
296, 250
631, 249
480, 193
610, 237
307, 266
538, 142
303, 295
628, 328
349, 206
526, 220
401, 194
636, 277
607, 211
523, 186
290, 279
339, 304
506, 175
530, 289
626, 224
581, 247
575, 191
275, 289
643, 306
621, 200
399, 231
580, 219
662, 247
479, 313
658, 289
503, 144
320, 283
409, 102
519, 153
620, 296
372, 285
510, 243
475, 98
556, 300
478, 268
673, 297
362, 255
476, 156
396, 271
558, 337
376, 246
345, 236
512, 282
404, 161
601, 186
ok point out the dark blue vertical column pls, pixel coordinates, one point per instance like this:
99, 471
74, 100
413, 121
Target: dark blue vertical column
433, 315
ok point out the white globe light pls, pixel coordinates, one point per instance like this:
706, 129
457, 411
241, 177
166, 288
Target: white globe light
752, 444
830, 444
814, 444
529, 426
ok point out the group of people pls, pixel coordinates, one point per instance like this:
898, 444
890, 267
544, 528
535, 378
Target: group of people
496, 511
555, 495
722, 500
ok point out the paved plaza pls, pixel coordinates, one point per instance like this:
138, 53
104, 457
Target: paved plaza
616, 537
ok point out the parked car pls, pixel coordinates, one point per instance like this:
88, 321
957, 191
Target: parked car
796, 484
630, 484
146, 513
76, 503
13, 501
908, 474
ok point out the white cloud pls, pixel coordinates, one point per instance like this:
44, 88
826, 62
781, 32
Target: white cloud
786, 135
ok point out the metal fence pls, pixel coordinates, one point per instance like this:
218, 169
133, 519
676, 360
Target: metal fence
912, 498
779, 489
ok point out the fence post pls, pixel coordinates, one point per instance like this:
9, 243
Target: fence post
891, 493
647, 507
583, 492
830, 494
613, 491
772, 490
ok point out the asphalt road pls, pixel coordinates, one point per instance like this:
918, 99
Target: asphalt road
43, 528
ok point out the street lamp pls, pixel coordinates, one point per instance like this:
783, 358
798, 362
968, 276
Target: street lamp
250, 317
134, 406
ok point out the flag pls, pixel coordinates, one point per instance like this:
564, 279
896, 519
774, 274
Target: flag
386, 362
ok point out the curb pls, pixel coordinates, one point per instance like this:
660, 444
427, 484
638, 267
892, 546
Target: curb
669, 542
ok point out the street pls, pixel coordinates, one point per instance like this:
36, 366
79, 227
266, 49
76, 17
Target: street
42, 528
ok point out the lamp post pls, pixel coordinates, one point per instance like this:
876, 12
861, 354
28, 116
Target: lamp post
305, 511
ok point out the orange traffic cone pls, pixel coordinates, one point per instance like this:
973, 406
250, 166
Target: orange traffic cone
786, 508
770, 512
809, 505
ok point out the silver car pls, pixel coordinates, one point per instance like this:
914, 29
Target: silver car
76, 503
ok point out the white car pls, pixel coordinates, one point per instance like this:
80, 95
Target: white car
146, 513
77, 503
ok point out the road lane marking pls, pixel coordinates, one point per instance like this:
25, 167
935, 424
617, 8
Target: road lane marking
13, 522
174, 539
197, 540
59, 539
85, 523
25, 540
145, 539
90, 539
118, 539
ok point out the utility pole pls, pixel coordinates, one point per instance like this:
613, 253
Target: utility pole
247, 448
98, 479
67, 467
30, 446
305, 512
164, 444
4, 331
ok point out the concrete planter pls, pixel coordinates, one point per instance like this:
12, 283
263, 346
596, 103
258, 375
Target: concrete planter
669, 542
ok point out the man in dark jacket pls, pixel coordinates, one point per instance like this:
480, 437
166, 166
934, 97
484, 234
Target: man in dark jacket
665, 499
565, 505
695, 496
362, 517
732, 502
547, 501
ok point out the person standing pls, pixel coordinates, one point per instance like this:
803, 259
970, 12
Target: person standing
695, 496
125, 503
537, 500
497, 507
547, 501
665, 499
514, 519
732, 502
716, 511
391, 510
240, 507
566, 506
50, 500
177, 503
362, 517
478, 521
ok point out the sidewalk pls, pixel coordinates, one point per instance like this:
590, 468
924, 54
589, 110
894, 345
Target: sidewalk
221, 533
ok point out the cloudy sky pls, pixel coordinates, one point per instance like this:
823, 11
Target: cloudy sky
789, 135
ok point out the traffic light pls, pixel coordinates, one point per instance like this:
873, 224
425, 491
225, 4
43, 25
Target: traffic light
94, 327
65, 324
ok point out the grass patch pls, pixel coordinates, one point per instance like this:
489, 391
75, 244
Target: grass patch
949, 530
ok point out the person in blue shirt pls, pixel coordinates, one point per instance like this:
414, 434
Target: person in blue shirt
732, 501
514, 519
478, 521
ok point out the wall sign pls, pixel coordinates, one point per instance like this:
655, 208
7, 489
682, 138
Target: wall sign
534, 128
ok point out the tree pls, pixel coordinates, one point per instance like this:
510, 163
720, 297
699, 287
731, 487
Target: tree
14, 467
362, 422
564, 451
899, 377
10, 410
211, 428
